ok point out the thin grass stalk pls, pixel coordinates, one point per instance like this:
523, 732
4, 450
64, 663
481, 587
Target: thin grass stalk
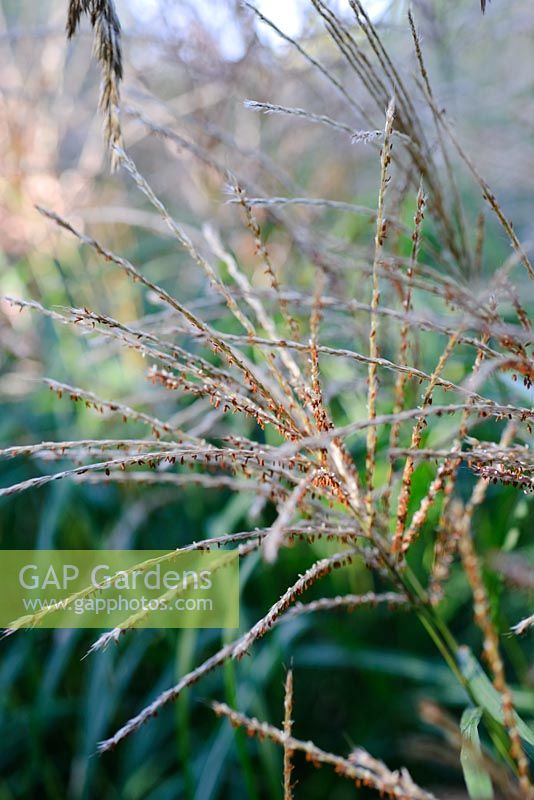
492, 654
458, 206
288, 726
399, 544
487, 193
370, 773
404, 333
236, 649
385, 161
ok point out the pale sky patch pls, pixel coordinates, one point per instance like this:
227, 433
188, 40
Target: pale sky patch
288, 15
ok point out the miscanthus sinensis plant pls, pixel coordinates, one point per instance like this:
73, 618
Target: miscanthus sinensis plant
408, 318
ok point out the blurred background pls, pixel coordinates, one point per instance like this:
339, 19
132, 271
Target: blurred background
360, 678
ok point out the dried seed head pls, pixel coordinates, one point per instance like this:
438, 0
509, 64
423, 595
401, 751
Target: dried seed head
108, 51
